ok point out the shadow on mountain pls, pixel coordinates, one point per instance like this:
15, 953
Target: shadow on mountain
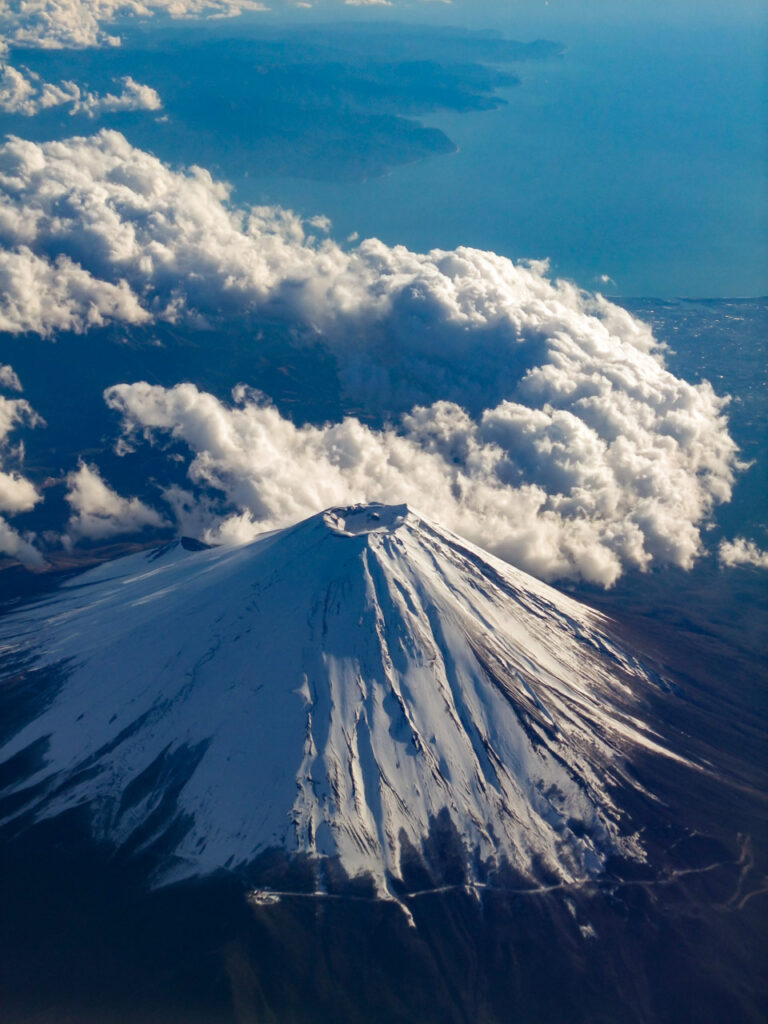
85, 941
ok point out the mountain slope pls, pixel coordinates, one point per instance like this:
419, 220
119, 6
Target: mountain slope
333, 689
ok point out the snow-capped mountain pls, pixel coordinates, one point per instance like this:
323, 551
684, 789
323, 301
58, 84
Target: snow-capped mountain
333, 689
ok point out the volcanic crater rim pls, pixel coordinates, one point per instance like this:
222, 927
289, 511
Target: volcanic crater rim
367, 517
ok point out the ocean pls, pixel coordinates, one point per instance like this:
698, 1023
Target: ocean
635, 163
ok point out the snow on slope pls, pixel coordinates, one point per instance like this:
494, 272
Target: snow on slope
331, 688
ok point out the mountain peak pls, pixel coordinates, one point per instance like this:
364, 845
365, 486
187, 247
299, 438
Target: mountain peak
335, 701
369, 517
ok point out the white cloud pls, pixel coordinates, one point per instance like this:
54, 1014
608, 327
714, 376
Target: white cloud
42, 295
16, 546
9, 378
741, 551
403, 324
578, 453
53, 24
17, 494
15, 411
99, 512
132, 96
24, 92
536, 487
89, 214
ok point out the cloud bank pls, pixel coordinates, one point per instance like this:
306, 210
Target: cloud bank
25, 93
536, 487
537, 419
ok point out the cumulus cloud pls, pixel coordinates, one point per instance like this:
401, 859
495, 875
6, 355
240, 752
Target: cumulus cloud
9, 378
24, 92
741, 551
536, 487
98, 512
401, 323
104, 225
531, 401
44, 295
17, 494
56, 24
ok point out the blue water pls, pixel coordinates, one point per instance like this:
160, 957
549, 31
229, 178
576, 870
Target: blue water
640, 155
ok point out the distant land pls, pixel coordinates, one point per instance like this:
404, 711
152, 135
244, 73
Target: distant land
331, 104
